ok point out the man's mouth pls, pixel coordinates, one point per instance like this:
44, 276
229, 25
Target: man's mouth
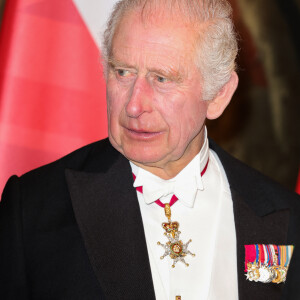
142, 134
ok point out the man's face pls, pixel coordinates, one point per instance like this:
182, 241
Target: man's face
155, 108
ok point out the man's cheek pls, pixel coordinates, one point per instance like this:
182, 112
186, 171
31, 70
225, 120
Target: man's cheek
113, 105
189, 124
112, 114
172, 106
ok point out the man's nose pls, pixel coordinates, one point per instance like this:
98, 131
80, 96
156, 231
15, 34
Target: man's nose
140, 100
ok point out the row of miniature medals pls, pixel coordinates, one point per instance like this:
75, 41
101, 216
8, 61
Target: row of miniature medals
267, 263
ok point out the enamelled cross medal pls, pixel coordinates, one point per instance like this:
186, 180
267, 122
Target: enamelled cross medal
174, 248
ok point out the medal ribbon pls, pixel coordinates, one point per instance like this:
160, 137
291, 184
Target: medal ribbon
282, 256
270, 256
261, 254
272, 252
276, 253
250, 255
266, 255
257, 253
287, 257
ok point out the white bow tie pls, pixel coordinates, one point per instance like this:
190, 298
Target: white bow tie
185, 188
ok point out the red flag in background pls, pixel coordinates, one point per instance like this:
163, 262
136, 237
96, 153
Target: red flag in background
298, 184
52, 92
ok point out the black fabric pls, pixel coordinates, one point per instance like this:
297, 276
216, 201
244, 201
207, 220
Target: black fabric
251, 229
265, 213
109, 218
73, 229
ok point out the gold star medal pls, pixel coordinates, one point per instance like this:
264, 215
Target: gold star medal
174, 248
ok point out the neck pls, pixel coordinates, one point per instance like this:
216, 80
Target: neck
171, 168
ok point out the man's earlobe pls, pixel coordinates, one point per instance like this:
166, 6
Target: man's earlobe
222, 99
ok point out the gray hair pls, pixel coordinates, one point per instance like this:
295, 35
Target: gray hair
216, 48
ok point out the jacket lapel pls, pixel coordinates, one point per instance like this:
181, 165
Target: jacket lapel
254, 229
261, 217
107, 212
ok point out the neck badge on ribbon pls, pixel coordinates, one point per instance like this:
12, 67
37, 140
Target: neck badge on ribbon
174, 247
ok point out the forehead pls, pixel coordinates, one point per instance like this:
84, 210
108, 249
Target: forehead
143, 41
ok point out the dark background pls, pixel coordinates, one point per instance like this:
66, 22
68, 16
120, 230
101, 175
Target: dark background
262, 124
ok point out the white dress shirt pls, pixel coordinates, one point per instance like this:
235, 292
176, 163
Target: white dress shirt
205, 215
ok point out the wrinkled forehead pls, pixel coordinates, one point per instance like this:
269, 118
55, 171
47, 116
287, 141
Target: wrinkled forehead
174, 13
187, 10
169, 41
155, 15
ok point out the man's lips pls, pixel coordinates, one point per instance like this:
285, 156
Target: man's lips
142, 134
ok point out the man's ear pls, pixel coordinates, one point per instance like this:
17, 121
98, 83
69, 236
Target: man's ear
222, 99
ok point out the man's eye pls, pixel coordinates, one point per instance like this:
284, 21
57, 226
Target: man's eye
123, 73
162, 79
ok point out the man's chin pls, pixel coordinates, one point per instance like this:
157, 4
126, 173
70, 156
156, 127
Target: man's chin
148, 154
143, 157
147, 160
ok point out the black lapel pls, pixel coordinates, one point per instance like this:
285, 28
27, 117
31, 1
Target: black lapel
108, 215
261, 217
254, 229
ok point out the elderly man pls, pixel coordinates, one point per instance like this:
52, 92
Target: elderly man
156, 211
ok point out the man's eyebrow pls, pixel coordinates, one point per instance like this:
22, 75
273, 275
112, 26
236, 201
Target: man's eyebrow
169, 72
116, 63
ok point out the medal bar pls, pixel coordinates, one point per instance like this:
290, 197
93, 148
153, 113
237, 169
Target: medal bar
267, 263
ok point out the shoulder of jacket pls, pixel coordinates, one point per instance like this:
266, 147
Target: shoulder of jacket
252, 183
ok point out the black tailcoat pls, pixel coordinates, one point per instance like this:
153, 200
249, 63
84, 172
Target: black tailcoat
73, 229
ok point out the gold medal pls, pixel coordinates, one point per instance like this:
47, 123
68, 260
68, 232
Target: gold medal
174, 248
253, 273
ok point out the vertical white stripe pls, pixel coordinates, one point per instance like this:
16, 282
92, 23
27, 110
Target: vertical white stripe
95, 14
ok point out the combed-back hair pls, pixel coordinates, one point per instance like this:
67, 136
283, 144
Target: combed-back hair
216, 44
